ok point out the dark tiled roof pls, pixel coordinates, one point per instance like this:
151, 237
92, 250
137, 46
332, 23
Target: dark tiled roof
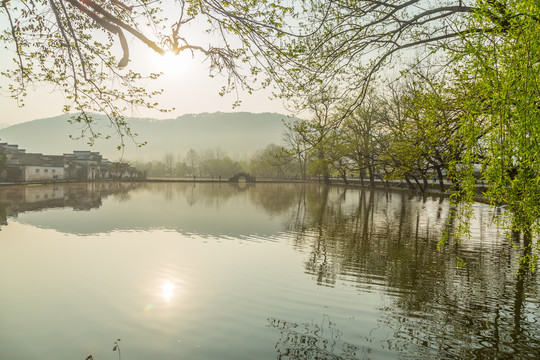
31, 160
57, 160
19, 157
11, 148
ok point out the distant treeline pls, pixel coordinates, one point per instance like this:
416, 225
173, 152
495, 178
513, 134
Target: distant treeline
265, 163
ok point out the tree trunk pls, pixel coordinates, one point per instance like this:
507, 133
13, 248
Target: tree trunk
418, 183
411, 186
344, 177
440, 177
326, 175
371, 176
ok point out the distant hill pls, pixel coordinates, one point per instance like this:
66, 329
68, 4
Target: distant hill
238, 134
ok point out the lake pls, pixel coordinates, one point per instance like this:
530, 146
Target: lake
266, 271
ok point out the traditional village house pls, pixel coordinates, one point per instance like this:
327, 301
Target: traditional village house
32, 167
22, 166
105, 169
7, 150
83, 165
80, 165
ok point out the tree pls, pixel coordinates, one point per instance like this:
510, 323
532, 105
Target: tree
312, 146
192, 161
215, 163
315, 133
360, 39
363, 129
436, 109
168, 160
272, 162
296, 146
337, 154
501, 128
422, 121
387, 137
71, 45
181, 168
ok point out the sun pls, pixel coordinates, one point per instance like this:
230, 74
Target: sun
170, 64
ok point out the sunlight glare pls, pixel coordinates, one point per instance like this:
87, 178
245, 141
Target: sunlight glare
167, 291
170, 64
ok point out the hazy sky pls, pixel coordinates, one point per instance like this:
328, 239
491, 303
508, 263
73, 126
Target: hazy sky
188, 89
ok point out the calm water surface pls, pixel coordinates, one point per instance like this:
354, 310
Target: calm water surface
275, 271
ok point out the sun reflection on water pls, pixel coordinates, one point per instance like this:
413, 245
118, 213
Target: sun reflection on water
167, 290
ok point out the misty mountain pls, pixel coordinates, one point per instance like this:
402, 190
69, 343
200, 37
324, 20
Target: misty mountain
238, 134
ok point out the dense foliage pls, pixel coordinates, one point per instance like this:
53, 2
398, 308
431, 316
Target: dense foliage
499, 72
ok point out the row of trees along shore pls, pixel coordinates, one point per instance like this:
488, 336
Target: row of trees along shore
403, 87
266, 163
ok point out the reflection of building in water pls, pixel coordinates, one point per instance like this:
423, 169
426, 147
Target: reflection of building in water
78, 196
43, 193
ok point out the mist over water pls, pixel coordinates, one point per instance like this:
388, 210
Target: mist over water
265, 271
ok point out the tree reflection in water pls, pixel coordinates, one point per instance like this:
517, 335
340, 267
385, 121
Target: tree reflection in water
313, 341
387, 242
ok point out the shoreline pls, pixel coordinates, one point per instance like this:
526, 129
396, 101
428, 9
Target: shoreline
395, 185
